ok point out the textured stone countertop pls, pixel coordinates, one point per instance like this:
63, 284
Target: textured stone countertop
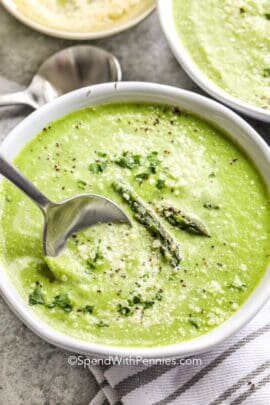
32, 371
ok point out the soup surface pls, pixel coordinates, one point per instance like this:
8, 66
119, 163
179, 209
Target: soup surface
230, 43
199, 241
82, 15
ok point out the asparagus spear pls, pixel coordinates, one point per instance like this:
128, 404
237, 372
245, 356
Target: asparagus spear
177, 218
168, 246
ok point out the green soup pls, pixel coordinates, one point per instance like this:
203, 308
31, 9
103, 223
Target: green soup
199, 241
230, 43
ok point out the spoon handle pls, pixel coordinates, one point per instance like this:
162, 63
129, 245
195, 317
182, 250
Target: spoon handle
13, 175
21, 98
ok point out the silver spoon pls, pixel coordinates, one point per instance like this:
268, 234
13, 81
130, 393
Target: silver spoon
63, 219
67, 70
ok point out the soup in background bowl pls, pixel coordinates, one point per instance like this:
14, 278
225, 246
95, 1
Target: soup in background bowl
224, 47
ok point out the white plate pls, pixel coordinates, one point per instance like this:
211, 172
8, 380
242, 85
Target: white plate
12, 9
236, 128
165, 11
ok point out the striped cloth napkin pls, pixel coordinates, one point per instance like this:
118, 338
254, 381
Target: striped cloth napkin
237, 372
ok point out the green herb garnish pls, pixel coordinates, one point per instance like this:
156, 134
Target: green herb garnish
81, 184
126, 311
140, 177
160, 184
93, 263
194, 322
158, 296
266, 72
148, 304
137, 299
154, 161
36, 297
102, 324
97, 167
62, 301
129, 160
88, 309
102, 154
211, 206
240, 287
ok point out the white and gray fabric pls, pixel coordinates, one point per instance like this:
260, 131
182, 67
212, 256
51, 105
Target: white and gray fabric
237, 372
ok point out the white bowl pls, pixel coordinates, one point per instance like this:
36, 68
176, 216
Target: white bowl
165, 12
239, 131
11, 7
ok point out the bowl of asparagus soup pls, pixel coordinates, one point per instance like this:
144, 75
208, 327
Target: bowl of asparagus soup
224, 47
193, 179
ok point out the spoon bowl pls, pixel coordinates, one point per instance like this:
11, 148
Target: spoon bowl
64, 219
67, 70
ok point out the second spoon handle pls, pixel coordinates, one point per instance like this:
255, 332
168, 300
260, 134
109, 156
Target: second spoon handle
13, 175
20, 97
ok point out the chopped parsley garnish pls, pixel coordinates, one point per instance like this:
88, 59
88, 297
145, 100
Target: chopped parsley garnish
194, 322
137, 299
81, 184
93, 263
211, 206
211, 175
88, 309
102, 154
36, 297
154, 161
102, 324
240, 287
158, 296
160, 184
129, 160
140, 177
62, 301
267, 16
97, 167
266, 72
126, 311
148, 304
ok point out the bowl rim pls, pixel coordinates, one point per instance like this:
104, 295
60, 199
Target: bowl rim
165, 13
138, 92
10, 6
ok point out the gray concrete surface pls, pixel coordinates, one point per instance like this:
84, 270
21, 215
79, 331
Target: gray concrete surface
32, 371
